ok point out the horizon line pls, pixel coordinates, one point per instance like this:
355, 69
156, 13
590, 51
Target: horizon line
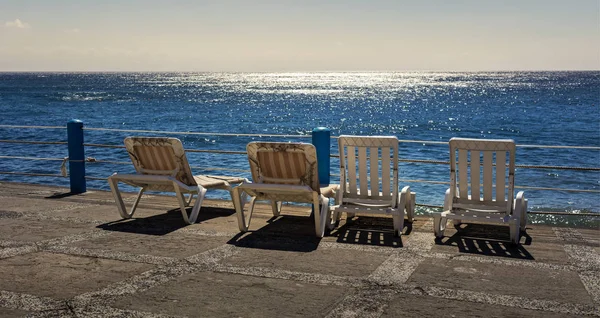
299, 71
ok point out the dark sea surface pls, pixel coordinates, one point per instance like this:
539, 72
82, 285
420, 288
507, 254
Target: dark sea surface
533, 108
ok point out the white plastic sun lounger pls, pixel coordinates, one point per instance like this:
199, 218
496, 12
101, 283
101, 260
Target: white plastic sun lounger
161, 165
283, 172
481, 191
369, 180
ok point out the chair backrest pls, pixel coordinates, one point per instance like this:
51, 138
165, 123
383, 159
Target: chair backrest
479, 173
160, 156
368, 168
284, 163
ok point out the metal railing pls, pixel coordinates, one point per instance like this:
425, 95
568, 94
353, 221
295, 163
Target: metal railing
77, 161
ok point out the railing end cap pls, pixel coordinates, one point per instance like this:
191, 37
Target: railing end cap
317, 129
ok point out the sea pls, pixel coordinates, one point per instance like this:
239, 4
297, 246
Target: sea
532, 108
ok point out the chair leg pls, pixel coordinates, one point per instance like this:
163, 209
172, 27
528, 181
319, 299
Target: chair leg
318, 215
239, 201
398, 222
191, 219
197, 205
406, 202
335, 219
413, 202
276, 207
325, 219
524, 215
515, 233
137, 201
439, 225
189, 200
114, 187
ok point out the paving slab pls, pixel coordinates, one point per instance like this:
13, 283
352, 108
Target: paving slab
34, 205
341, 262
62, 276
32, 230
12, 313
155, 264
550, 253
208, 294
406, 305
533, 283
175, 244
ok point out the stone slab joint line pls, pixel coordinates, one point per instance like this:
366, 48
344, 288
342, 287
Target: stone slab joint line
45, 245
584, 258
120, 256
500, 261
508, 300
157, 276
28, 302
364, 303
309, 278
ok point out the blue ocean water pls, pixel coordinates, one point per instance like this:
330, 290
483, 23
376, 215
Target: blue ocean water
533, 108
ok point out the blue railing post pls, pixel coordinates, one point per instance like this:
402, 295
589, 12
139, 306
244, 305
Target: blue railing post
321, 139
76, 155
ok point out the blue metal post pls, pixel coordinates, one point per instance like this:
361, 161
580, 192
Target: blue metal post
76, 156
321, 137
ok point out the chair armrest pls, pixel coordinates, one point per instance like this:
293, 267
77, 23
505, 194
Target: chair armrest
405, 201
520, 209
447, 201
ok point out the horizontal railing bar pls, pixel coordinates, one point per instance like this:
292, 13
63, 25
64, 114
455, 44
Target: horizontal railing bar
219, 169
424, 181
596, 214
429, 205
431, 142
516, 187
34, 142
227, 152
275, 135
441, 162
95, 178
520, 146
34, 127
437, 162
31, 158
103, 146
557, 167
32, 174
559, 147
113, 162
197, 133
556, 189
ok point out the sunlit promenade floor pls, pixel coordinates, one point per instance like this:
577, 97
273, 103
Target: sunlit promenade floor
72, 256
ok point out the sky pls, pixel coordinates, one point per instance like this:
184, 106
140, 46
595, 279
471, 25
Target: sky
299, 35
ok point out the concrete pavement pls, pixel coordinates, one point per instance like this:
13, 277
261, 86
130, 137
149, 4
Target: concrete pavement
67, 255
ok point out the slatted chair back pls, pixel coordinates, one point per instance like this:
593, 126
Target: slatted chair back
482, 174
369, 170
160, 156
284, 163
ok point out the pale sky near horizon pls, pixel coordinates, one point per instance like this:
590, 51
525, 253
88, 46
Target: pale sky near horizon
296, 36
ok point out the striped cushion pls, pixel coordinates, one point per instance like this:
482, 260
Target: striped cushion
156, 158
282, 167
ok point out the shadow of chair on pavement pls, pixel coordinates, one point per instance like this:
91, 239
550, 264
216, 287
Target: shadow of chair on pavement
374, 231
284, 233
489, 240
163, 223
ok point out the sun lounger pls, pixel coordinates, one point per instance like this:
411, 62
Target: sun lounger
161, 165
283, 172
